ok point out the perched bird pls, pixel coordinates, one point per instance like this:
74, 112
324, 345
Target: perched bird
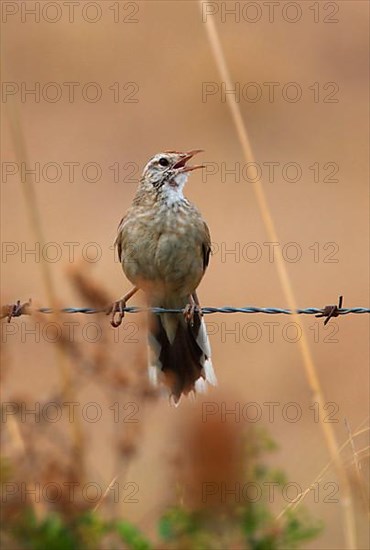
164, 246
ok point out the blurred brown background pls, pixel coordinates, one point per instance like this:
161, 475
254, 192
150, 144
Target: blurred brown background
165, 54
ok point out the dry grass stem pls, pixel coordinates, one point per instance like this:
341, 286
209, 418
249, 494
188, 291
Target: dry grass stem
33, 211
319, 477
311, 372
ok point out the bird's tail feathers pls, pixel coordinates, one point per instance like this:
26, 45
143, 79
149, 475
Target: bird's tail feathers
180, 354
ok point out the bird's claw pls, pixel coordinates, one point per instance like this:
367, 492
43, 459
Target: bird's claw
117, 312
190, 310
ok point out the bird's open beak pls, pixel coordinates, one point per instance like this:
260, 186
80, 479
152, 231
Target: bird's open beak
181, 165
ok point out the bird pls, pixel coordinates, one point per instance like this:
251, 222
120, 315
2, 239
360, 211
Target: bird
164, 247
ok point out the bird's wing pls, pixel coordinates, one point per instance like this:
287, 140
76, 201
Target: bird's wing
206, 246
118, 241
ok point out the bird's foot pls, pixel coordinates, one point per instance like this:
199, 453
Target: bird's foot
117, 309
117, 312
190, 311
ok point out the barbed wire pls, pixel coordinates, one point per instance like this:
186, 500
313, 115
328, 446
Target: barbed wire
18, 309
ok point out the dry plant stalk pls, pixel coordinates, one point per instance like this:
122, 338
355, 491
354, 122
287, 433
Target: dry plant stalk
320, 476
94, 293
40, 452
310, 369
28, 191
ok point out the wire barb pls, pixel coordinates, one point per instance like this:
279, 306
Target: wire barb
331, 311
18, 309
15, 310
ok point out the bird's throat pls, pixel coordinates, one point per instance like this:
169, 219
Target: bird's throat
172, 195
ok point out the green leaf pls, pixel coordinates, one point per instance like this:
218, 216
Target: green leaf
132, 536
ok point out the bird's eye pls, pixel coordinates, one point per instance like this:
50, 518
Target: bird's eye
163, 161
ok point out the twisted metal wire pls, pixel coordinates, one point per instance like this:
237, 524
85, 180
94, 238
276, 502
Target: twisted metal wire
18, 309
209, 310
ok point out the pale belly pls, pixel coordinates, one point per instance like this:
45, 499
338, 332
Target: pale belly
166, 262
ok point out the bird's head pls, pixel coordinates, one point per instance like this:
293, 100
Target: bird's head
169, 170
